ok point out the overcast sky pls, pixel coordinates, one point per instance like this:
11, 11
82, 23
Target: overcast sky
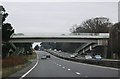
60, 0
55, 17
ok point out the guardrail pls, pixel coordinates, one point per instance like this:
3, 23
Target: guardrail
103, 62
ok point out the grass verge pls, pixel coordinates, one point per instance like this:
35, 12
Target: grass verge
13, 64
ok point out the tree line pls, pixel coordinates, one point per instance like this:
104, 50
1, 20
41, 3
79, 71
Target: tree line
7, 32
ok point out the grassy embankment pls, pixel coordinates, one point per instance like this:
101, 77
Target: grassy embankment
13, 64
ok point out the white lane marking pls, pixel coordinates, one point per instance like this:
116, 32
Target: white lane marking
88, 64
69, 69
54, 63
59, 65
86, 76
63, 67
30, 69
77, 73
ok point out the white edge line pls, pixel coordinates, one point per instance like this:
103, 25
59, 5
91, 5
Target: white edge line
30, 69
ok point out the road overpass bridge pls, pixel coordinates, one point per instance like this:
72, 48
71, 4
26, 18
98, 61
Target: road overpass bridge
81, 37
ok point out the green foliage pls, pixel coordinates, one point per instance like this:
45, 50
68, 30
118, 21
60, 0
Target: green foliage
4, 14
66, 47
27, 47
115, 39
7, 31
48, 45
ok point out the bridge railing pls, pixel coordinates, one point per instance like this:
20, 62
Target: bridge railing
90, 34
67, 34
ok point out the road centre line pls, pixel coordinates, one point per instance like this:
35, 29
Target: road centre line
86, 76
63, 67
59, 65
54, 62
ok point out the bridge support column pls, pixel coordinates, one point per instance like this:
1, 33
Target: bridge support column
104, 43
83, 51
99, 42
91, 52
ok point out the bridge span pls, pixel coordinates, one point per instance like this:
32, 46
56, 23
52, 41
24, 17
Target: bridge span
81, 37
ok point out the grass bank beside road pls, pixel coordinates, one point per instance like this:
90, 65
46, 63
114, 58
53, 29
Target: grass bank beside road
13, 64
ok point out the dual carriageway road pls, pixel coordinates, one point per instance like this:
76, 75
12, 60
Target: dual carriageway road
56, 67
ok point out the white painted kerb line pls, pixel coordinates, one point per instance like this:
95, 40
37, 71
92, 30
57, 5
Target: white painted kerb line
30, 69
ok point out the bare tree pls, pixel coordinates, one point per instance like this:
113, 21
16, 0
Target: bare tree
94, 25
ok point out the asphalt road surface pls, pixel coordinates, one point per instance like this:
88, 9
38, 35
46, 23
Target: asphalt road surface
56, 67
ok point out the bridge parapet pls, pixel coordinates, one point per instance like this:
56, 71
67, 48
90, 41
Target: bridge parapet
90, 34
82, 37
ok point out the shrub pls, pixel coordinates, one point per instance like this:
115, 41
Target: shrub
13, 61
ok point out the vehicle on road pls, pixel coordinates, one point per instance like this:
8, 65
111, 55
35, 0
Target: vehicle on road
72, 56
55, 50
50, 49
97, 57
88, 57
48, 56
59, 51
44, 57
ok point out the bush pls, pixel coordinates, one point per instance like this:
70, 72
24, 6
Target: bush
13, 61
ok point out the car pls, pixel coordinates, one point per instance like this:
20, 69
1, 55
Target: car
55, 50
72, 56
98, 57
44, 57
59, 51
88, 57
48, 56
50, 49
